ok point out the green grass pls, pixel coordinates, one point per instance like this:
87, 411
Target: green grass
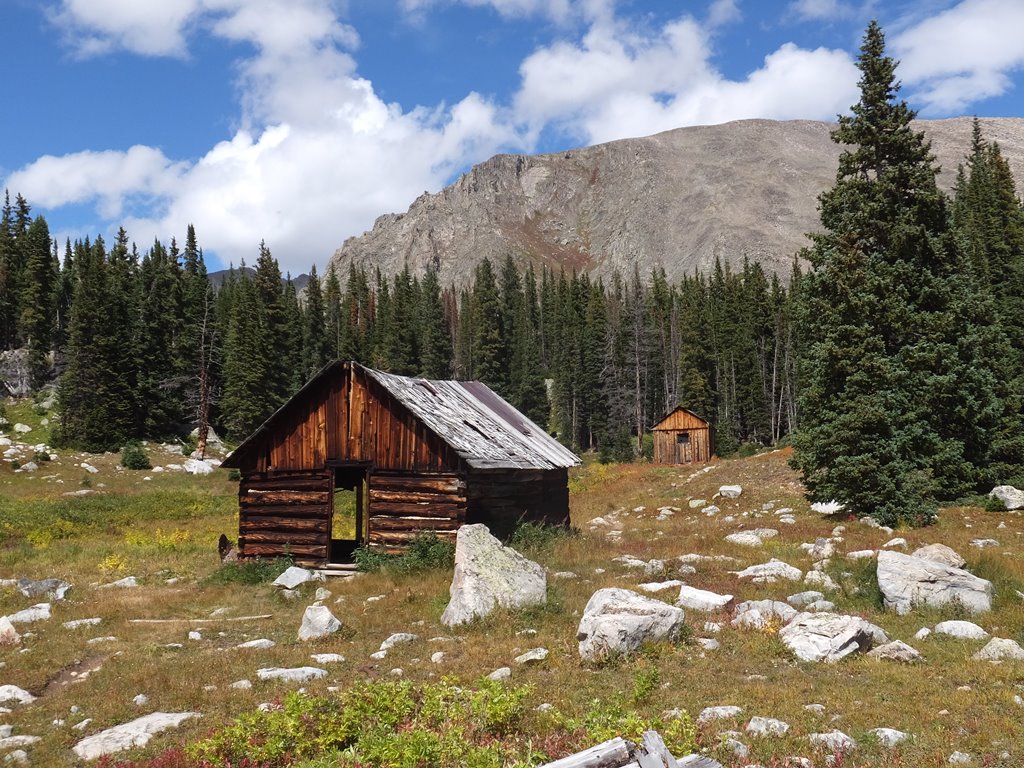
164, 531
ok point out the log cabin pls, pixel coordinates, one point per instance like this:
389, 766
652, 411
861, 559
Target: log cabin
682, 437
362, 457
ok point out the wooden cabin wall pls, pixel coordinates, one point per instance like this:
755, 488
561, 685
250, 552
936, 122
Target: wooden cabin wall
346, 417
404, 505
500, 499
667, 449
283, 513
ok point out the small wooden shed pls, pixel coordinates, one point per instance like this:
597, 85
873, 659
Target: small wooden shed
407, 455
682, 437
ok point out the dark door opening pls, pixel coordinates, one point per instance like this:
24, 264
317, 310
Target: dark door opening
348, 512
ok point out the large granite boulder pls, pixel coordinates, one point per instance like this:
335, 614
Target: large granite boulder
317, 622
490, 575
829, 637
907, 581
617, 622
136, 733
1012, 498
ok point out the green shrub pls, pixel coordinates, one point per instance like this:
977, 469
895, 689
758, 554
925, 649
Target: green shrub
370, 560
537, 537
426, 551
234, 475
606, 720
40, 456
134, 456
380, 723
251, 571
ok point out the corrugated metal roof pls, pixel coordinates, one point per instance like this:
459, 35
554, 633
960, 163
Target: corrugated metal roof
484, 430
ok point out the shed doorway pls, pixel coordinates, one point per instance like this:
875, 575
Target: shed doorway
348, 511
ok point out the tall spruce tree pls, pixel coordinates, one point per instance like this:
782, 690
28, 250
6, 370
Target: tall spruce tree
38, 300
893, 406
315, 344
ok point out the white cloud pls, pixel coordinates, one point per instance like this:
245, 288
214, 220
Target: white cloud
95, 27
559, 10
317, 158
723, 12
821, 10
617, 82
963, 54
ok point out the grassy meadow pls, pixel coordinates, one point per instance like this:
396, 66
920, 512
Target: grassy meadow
164, 530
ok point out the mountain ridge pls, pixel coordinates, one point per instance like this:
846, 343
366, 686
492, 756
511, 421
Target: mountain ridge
675, 200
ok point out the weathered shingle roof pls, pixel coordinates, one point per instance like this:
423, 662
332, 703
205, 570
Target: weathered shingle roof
485, 430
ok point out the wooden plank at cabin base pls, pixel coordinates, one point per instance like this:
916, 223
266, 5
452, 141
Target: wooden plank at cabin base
413, 524
424, 510
284, 538
401, 538
276, 550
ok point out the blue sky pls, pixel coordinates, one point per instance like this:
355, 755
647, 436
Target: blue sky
301, 121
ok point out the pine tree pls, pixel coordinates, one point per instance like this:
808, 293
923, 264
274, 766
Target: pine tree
893, 406
315, 343
8, 277
332, 314
247, 399
38, 309
435, 341
488, 343
162, 374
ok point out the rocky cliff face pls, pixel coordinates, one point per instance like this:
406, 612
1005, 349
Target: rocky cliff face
677, 200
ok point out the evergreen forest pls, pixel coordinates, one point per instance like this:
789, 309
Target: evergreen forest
892, 355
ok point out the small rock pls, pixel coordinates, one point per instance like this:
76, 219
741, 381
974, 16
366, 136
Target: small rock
241, 685
818, 709
962, 630
860, 554
14, 693
984, 543
960, 758
889, 737
262, 644
195, 635
660, 586
501, 673
730, 491
770, 572
922, 633
999, 648
136, 733
618, 621
327, 658
897, 542
801, 599
292, 675
708, 643
437, 657
834, 741
897, 650
140, 700
940, 553
532, 656
821, 579
378, 655
128, 582
8, 634
89, 468
767, 726
398, 638
718, 713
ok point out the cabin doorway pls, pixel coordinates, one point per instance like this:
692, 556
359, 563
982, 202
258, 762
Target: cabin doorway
348, 511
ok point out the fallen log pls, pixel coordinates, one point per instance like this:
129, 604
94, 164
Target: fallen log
619, 753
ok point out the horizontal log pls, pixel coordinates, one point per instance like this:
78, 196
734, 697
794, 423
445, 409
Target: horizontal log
307, 551
310, 512
259, 523
402, 537
425, 510
439, 483
266, 498
283, 537
413, 524
303, 482
414, 496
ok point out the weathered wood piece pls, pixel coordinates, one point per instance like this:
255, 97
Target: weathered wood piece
613, 753
653, 753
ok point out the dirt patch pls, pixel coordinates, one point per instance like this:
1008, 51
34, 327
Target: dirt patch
74, 673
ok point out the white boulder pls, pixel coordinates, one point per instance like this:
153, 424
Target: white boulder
1011, 497
770, 572
889, 737
16, 694
136, 733
489, 575
291, 675
701, 599
961, 630
317, 622
828, 637
730, 491
38, 612
8, 634
906, 581
999, 648
618, 621
897, 650
294, 576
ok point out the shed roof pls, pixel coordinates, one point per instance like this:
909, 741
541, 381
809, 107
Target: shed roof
483, 429
669, 423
